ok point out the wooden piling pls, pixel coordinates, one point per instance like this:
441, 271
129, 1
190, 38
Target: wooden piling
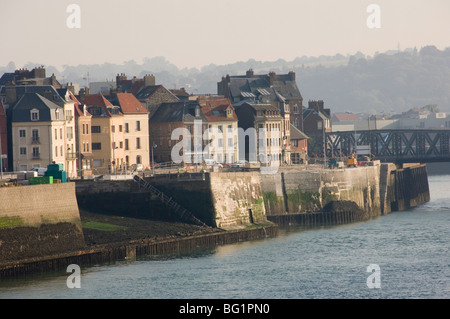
103, 254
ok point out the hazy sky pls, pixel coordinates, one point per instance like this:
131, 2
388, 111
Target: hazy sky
194, 33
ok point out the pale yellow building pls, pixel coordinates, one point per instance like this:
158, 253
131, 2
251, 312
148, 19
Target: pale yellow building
136, 144
107, 133
43, 130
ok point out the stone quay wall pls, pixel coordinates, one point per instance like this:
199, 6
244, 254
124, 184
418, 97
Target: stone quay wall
39, 220
294, 191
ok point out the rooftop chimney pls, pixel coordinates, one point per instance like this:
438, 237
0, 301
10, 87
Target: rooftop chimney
292, 75
149, 80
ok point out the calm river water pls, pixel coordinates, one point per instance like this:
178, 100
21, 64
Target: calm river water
411, 249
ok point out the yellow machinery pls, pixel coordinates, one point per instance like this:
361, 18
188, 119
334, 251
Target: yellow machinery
351, 161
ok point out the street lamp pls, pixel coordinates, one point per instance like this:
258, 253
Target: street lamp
153, 160
324, 145
114, 159
1, 157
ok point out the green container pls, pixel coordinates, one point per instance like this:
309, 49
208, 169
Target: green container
56, 171
55, 167
40, 180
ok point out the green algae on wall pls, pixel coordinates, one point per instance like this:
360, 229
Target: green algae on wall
274, 204
10, 221
303, 201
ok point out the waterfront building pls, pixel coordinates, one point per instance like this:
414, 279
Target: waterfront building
265, 88
317, 122
83, 123
152, 96
43, 128
3, 140
276, 89
107, 133
299, 142
222, 129
267, 123
186, 118
135, 130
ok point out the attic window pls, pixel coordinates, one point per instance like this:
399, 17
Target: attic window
34, 115
114, 110
229, 112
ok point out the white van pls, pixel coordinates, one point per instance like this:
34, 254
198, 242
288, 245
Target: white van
40, 170
211, 162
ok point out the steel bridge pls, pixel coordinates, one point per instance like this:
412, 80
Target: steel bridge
399, 146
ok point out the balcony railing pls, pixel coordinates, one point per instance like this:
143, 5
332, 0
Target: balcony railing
71, 155
36, 156
35, 140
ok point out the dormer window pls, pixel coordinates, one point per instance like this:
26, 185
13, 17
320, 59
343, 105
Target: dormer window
57, 114
34, 115
229, 112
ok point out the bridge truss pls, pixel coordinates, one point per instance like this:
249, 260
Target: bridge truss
393, 145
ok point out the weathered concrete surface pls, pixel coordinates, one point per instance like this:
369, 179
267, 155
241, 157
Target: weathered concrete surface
386, 183
408, 187
310, 190
237, 198
233, 199
223, 200
35, 205
39, 220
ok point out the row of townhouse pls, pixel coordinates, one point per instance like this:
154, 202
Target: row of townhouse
89, 137
272, 102
119, 133
136, 122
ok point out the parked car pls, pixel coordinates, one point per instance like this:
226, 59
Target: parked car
136, 167
211, 162
240, 163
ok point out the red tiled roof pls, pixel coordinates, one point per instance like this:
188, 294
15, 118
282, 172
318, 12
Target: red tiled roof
74, 98
96, 99
130, 104
215, 109
99, 100
78, 105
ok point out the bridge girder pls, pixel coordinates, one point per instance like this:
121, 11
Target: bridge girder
393, 145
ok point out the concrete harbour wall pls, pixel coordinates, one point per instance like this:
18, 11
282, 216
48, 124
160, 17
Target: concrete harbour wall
224, 200
39, 220
305, 191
